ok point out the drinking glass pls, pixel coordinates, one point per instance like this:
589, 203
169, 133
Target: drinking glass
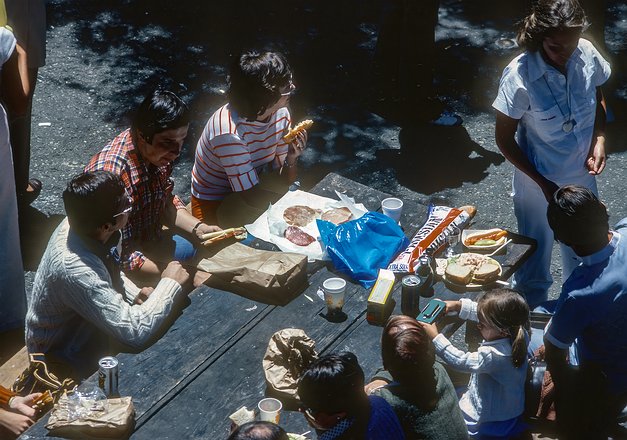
452, 240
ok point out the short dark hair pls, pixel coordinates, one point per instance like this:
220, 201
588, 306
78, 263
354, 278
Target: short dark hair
255, 81
548, 16
92, 199
259, 431
577, 216
406, 349
333, 383
161, 110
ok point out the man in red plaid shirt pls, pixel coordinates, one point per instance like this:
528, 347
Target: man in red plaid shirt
142, 156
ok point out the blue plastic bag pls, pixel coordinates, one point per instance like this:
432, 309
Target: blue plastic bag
359, 248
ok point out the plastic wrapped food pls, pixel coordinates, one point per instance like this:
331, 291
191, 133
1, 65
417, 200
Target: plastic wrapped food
431, 236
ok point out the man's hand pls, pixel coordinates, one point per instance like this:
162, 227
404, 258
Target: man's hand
205, 229
143, 295
176, 272
15, 423
24, 404
430, 329
596, 160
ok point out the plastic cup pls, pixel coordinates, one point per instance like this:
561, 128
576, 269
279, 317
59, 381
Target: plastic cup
393, 208
270, 410
334, 291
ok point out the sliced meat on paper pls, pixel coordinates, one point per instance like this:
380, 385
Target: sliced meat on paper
337, 215
300, 215
298, 236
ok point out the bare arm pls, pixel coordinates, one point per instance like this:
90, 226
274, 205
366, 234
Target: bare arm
15, 82
556, 360
595, 162
181, 219
506, 141
294, 151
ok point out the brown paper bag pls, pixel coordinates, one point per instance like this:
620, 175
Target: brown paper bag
266, 276
116, 423
289, 353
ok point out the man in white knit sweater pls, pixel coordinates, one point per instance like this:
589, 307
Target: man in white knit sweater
81, 301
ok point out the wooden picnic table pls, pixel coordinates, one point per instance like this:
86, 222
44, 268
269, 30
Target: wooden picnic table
209, 362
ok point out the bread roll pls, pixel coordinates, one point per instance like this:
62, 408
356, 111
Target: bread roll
293, 132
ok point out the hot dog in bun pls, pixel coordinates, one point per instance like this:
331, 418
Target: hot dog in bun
488, 238
293, 132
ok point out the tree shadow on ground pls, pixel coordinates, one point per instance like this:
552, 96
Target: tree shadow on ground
435, 158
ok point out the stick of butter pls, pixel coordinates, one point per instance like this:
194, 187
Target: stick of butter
379, 302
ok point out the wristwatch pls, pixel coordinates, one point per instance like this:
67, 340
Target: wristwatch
196, 228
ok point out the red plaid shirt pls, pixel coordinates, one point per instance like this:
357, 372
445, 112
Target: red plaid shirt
148, 185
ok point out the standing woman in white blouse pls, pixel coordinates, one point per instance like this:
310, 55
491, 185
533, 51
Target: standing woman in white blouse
550, 123
12, 294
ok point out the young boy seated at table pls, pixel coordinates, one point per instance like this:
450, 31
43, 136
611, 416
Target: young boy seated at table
143, 157
336, 405
416, 386
244, 138
80, 299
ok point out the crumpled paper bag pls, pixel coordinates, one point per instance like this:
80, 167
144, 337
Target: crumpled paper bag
115, 423
290, 352
265, 276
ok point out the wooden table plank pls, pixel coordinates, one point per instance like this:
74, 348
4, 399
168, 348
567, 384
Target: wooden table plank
197, 337
207, 403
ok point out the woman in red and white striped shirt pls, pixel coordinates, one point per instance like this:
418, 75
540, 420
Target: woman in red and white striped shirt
244, 137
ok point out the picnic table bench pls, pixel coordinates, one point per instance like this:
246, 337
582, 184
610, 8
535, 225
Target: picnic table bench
209, 362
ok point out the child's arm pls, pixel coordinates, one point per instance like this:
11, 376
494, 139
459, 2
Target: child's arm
468, 310
468, 362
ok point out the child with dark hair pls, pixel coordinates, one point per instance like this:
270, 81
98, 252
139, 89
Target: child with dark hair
415, 385
244, 138
336, 405
550, 124
259, 431
495, 398
588, 326
143, 156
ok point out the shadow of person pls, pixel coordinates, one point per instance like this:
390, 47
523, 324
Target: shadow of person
434, 158
35, 231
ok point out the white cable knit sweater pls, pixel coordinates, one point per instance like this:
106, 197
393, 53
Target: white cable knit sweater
74, 307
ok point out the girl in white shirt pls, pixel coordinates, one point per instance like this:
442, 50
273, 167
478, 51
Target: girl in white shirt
494, 400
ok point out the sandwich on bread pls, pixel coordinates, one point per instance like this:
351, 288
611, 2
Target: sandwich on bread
458, 274
486, 273
472, 268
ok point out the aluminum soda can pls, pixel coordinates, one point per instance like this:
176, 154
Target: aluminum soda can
108, 375
410, 295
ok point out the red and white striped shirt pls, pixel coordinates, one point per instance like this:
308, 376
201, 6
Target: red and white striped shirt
232, 152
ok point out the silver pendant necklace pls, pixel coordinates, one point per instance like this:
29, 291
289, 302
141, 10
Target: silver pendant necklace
569, 122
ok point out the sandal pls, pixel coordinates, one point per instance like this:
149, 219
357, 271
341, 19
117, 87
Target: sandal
29, 197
